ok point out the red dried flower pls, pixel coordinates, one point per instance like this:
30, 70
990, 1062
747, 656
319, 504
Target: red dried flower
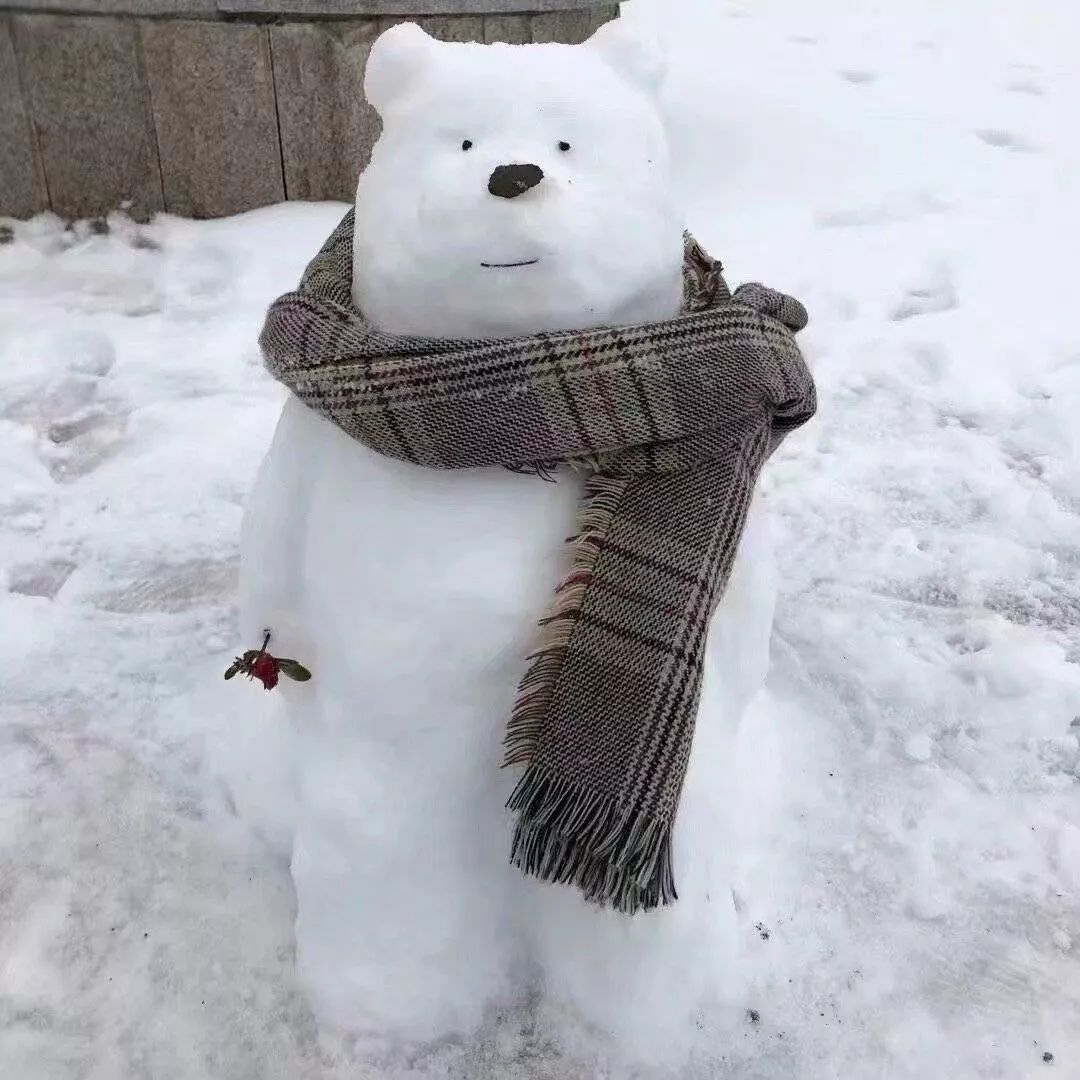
259, 664
265, 668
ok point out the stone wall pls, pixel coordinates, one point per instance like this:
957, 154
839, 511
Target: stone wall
211, 107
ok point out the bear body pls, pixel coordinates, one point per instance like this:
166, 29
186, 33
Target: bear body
414, 594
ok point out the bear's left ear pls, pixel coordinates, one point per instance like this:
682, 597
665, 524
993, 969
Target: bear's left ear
630, 55
397, 59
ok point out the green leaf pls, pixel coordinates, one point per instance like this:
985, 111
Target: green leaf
293, 669
234, 668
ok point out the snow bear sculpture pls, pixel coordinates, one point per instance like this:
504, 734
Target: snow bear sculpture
513, 189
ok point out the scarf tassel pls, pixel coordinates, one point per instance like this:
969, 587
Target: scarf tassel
567, 835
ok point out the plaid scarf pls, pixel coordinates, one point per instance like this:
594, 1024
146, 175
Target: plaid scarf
672, 422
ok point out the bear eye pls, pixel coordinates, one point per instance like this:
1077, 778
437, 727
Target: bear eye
467, 144
564, 146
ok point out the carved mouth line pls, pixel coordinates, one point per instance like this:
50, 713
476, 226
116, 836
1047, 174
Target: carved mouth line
508, 266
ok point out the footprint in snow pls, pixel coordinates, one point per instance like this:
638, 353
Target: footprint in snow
903, 207
78, 444
1004, 139
43, 579
930, 361
803, 39
919, 747
170, 588
857, 76
78, 415
1025, 86
935, 296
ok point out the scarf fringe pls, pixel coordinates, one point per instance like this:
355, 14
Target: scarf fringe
617, 857
599, 503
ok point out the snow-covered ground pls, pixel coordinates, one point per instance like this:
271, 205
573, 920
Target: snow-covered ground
909, 862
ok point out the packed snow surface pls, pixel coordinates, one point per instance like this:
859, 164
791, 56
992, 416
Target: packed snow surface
908, 855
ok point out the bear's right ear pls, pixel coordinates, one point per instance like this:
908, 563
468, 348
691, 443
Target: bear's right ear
397, 58
634, 57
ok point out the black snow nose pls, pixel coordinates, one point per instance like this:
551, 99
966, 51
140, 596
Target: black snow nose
510, 181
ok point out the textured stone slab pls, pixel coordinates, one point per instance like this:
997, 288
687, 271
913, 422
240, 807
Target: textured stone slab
604, 13
327, 128
212, 91
22, 183
82, 80
315, 8
513, 29
149, 8
454, 28
569, 27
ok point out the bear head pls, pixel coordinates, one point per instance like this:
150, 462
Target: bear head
515, 188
